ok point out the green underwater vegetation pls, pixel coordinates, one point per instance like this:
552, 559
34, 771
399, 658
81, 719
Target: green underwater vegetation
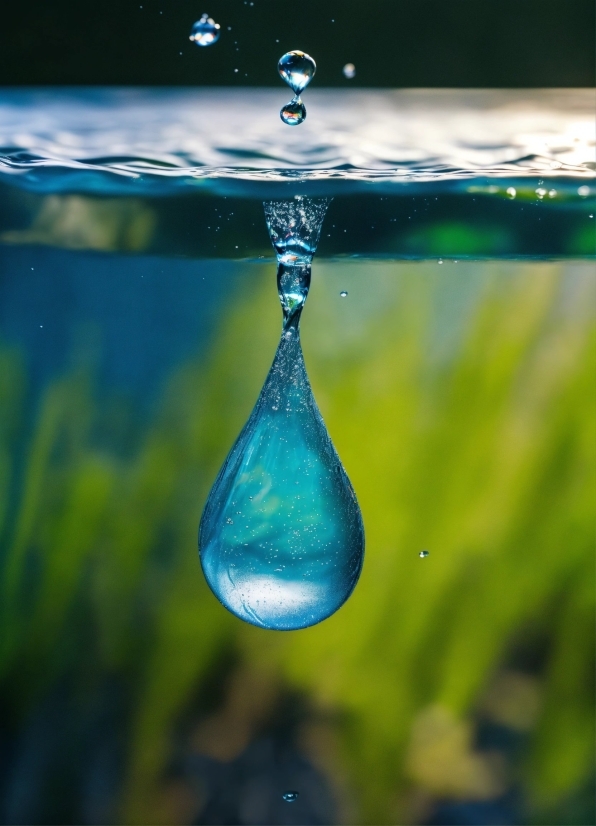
461, 401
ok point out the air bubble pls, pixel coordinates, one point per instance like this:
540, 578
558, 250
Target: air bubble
540, 193
552, 193
583, 191
511, 191
205, 31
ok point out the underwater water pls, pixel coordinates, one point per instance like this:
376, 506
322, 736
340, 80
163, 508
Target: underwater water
437, 391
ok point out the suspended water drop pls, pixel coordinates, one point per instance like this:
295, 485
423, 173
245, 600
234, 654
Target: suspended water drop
294, 112
294, 554
344, 294
290, 797
423, 554
511, 191
297, 69
349, 71
205, 32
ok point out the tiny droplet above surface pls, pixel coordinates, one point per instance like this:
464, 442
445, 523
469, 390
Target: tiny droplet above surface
290, 797
344, 293
293, 113
205, 31
349, 71
297, 69
423, 554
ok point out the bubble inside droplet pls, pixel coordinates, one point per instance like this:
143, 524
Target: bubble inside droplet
297, 69
423, 554
294, 112
290, 797
349, 71
205, 31
344, 293
511, 191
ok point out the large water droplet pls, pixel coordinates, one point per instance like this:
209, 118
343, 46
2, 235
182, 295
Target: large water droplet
293, 550
297, 69
290, 797
294, 112
205, 31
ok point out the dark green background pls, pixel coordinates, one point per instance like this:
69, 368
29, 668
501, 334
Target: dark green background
483, 43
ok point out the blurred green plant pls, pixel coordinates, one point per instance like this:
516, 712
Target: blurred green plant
462, 405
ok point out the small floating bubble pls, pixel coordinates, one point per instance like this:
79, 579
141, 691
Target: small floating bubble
440, 261
344, 293
290, 797
511, 191
294, 112
423, 554
540, 192
205, 31
552, 193
349, 71
583, 191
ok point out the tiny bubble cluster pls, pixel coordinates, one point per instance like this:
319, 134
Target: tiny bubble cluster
205, 31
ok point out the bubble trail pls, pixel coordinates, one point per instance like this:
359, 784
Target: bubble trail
281, 539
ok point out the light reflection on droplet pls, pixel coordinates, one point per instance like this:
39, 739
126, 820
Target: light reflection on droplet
205, 32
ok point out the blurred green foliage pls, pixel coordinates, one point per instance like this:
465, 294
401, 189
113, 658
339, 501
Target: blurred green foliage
461, 400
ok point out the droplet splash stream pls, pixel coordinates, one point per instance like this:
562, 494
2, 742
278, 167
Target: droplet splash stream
281, 538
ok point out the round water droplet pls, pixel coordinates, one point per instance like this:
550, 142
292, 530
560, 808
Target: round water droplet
297, 69
344, 293
205, 31
293, 113
511, 191
349, 71
290, 797
583, 191
423, 554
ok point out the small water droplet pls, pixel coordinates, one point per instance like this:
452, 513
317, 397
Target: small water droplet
294, 112
423, 554
290, 797
205, 32
349, 71
344, 293
540, 193
583, 191
511, 191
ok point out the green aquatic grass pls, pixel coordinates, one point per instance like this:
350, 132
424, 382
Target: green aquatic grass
461, 400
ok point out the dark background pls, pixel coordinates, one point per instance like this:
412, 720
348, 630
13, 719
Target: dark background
466, 43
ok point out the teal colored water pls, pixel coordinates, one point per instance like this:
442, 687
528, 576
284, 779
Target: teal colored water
281, 538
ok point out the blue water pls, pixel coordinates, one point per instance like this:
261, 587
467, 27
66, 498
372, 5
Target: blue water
281, 538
